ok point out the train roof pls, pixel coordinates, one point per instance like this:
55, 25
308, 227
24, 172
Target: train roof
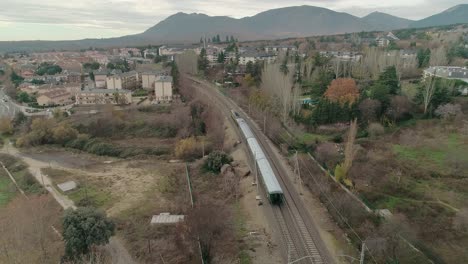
255, 148
245, 128
268, 176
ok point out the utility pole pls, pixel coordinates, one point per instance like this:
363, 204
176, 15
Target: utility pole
363, 250
297, 171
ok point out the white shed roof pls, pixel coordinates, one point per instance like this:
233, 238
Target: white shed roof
166, 218
67, 186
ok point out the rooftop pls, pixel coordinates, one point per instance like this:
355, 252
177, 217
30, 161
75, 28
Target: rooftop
105, 91
56, 93
448, 72
164, 78
166, 218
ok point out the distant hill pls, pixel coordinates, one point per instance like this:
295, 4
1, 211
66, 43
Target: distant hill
382, 21
276, 23
286, 22
455, 15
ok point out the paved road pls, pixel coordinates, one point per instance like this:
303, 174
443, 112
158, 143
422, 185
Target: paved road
8, 108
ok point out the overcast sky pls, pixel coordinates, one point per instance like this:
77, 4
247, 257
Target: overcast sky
77, 19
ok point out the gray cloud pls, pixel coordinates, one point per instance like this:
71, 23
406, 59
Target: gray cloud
138, 15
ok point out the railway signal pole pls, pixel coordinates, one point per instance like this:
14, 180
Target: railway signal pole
297, 172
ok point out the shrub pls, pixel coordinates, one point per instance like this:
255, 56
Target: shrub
327, 154
340, 173
6, 126
187, 148
448, 111
375, 129
64, 133
79, 142
103, 149
216, 160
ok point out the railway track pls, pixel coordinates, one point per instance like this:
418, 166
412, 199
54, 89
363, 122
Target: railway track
301, 239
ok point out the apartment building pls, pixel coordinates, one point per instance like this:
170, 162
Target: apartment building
103, 96
163, 89
55, 97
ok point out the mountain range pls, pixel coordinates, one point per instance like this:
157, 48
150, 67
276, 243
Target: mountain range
295, 21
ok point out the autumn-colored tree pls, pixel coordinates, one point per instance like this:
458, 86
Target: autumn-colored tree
188, 148
64, 133
342, 91
6, 126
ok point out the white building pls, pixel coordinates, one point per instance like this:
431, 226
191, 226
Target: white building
279, 48
163, 89
447, 72
342, 55
255, 56
103, 96
114, 82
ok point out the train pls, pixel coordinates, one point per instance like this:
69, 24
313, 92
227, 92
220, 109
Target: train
269, 180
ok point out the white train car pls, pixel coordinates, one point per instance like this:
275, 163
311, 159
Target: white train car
272, 186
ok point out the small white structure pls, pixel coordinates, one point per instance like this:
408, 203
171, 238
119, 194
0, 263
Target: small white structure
67, 186
166, 218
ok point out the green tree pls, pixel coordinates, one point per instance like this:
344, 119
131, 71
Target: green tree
392, 46
389, 78
175, 75
381, 92
37, 82
221, 57
322, 81
23, 97
91, 66
203, 61
46, 68
84, 228
423, 57
216, 160
16, 79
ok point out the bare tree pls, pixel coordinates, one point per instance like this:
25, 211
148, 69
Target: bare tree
278, 82
27, 233
207, 225
370, 109
187, 62
428, 91
399, 106
438, 57
350, 149
327, 153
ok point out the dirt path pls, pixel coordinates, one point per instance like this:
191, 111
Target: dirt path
116, 249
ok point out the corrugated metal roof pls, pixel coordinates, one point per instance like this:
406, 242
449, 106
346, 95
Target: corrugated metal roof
166, 218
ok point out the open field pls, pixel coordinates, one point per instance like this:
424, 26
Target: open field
421, 172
